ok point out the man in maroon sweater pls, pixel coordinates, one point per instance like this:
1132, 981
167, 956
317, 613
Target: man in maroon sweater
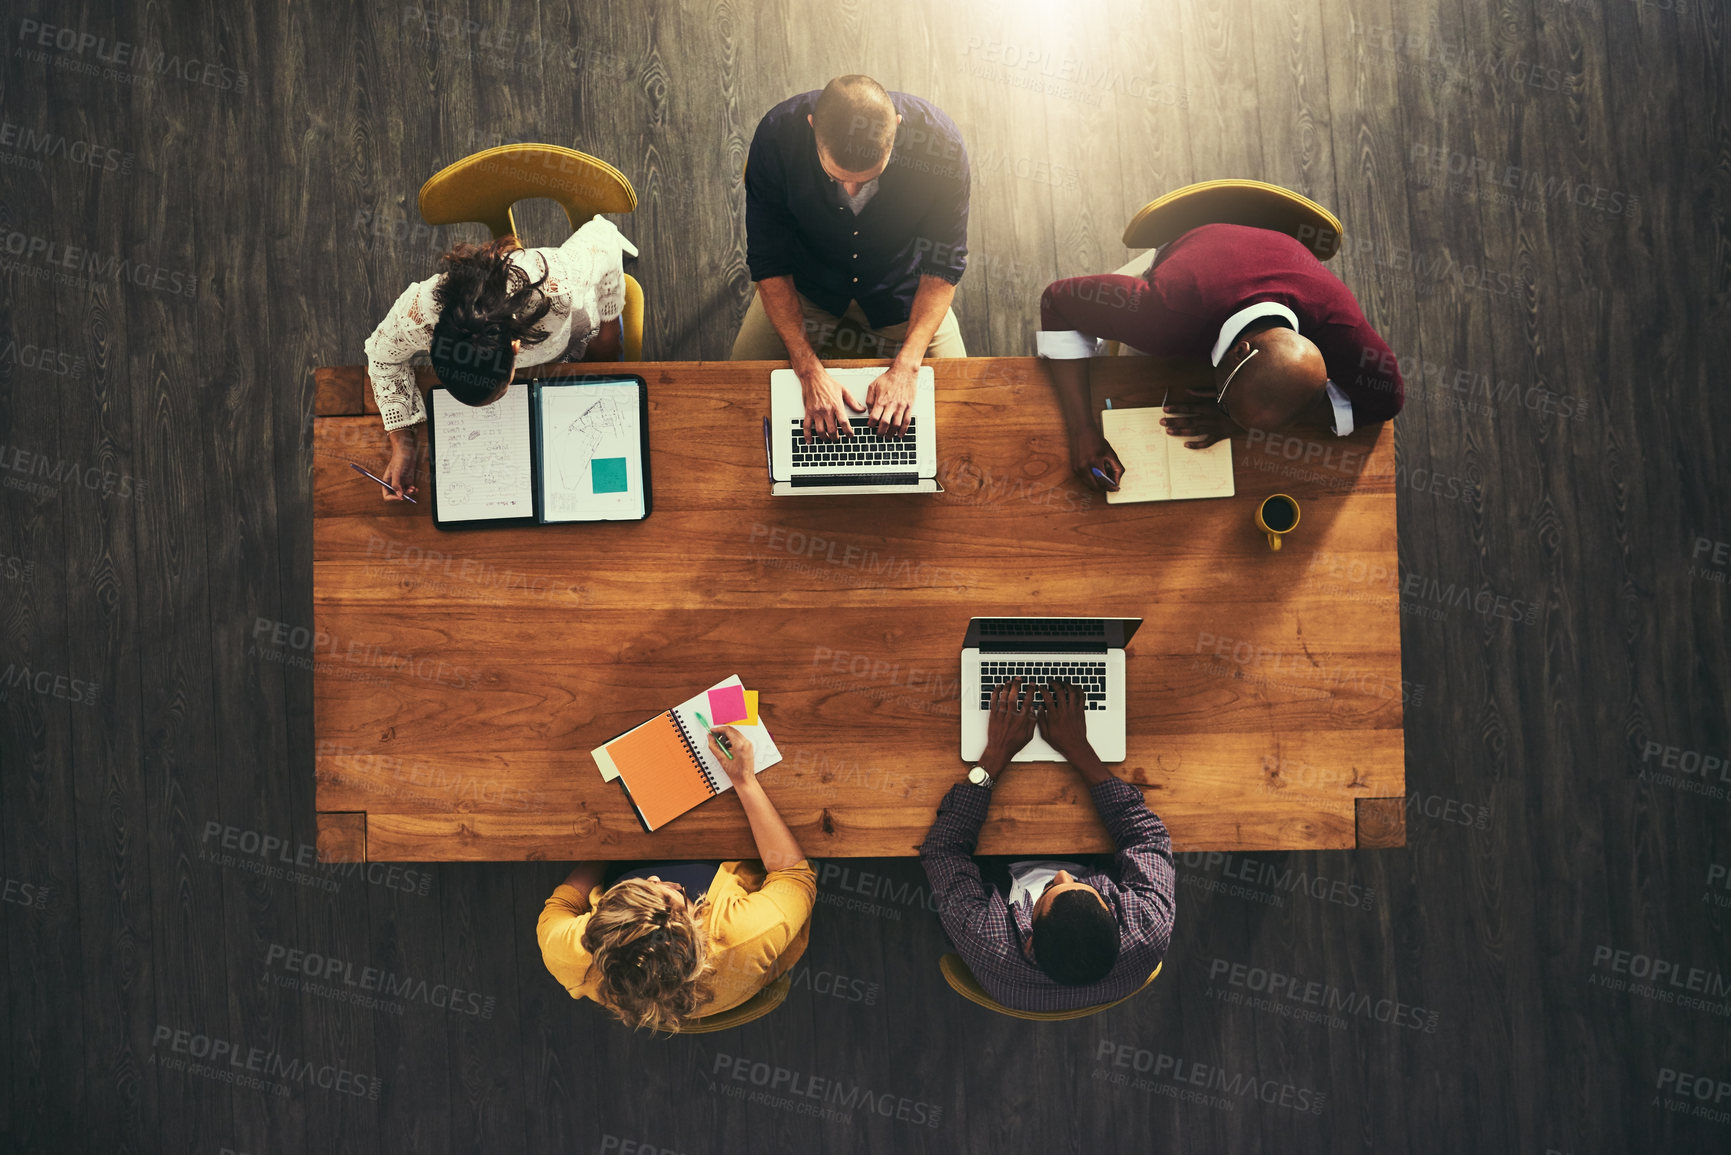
1289, 345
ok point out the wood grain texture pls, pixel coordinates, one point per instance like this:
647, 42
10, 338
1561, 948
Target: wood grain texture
1381, 823
39, 820
1451, 139
342, 836
341, 392
852, 637
109, 791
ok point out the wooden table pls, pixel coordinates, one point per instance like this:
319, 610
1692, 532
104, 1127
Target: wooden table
460, 679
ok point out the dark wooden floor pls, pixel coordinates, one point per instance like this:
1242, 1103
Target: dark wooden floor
1535, 202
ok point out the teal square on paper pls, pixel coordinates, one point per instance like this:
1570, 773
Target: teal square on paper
607, 474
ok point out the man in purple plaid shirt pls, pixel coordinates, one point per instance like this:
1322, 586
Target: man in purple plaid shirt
1060, 939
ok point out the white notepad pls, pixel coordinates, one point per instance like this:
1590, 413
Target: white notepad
485, 466
1158, 466
591, 452
560, 449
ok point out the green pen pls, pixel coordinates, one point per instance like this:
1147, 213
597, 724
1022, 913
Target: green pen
720, 739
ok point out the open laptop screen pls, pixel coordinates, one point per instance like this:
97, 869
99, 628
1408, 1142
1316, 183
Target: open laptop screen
1049, 635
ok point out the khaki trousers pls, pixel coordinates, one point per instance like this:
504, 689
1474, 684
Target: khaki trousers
838, 338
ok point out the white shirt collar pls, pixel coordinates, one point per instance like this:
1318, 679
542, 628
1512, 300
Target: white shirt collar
1343, 421
1236, 323
1030, 878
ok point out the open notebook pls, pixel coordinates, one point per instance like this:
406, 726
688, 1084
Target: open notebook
665, 765
1157, 466
555, 450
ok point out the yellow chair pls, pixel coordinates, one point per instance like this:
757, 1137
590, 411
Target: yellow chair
1235, 202
484, 186
755, 1007
963, 982
1232, 202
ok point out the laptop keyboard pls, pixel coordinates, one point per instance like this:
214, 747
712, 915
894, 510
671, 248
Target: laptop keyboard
865, 447
1089, 677
1045, 627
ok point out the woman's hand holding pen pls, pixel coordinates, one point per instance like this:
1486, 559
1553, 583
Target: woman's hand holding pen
742, 767
777, 848
401, 471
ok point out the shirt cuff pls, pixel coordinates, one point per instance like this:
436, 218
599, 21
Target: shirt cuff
1070, 345
589, 230
967, 803
572, 900
943, 273
1343, 423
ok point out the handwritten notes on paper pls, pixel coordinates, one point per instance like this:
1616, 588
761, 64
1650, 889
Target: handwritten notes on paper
483, 465
1158, 466
1140, 442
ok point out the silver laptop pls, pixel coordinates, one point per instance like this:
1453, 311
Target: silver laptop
1086, 652
863, 463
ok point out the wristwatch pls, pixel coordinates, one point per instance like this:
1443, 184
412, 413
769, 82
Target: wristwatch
979, 777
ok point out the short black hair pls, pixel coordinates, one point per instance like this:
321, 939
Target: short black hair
1076, 940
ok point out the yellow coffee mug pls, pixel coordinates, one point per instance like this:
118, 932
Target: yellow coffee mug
1276, 517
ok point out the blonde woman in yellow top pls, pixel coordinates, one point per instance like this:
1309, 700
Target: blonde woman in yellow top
656, 952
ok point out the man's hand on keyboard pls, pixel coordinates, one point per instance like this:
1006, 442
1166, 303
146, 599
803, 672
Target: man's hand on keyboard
1064, 722
1010, 726
891, 399
826, 404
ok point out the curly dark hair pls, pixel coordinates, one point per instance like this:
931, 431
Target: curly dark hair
485, 302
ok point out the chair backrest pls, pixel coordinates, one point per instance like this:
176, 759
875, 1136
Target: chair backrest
1235, 202
963, 982
484, 186
755, 1007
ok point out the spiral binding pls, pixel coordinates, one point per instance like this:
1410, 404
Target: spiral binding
696, 758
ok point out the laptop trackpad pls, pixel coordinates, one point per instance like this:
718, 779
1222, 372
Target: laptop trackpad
1099, 727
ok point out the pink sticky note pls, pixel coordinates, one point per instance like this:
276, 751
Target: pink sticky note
728, 705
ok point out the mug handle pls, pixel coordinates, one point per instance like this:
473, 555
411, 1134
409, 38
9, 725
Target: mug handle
1274, 541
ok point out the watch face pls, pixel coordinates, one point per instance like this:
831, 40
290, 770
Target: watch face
979, 777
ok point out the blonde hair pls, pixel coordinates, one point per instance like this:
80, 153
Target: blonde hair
653, 957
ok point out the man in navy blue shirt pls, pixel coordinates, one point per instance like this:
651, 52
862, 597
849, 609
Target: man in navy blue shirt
856, 223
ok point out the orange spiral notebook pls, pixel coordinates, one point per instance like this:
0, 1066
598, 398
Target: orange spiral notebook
665, 766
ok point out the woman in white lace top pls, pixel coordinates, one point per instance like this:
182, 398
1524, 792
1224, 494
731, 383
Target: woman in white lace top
493, 308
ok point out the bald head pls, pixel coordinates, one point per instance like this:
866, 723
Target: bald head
1283, 379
